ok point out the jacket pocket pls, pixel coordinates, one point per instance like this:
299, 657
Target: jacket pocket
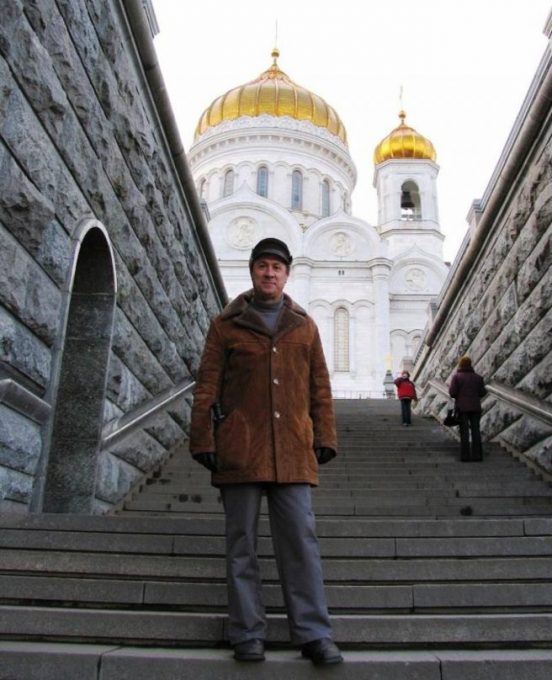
233, 442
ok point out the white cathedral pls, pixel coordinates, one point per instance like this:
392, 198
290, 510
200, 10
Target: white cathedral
270, 158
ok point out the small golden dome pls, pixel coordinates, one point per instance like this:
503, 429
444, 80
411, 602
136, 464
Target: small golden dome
275, 94
404, 142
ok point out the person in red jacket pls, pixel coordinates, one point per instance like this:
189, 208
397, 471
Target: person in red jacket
406, 391
467, 387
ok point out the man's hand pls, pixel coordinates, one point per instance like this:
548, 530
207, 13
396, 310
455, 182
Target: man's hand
324, 455
208, 460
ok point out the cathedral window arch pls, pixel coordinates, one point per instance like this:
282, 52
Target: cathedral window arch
325, 198
262, 181
410, 201
341, 339
202, 187
228, 186
297, 190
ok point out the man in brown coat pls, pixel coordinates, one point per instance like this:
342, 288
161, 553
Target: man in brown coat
262, 422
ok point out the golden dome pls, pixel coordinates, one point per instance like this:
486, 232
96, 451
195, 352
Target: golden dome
275, 94
404, 142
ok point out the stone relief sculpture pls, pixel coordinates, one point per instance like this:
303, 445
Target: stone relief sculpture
416, 279
341, 244
242, 232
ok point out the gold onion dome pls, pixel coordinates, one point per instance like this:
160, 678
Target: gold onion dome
273, 93
404, 142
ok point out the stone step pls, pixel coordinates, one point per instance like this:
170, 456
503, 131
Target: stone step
344, 484
419, 512
430, 487
406, 567
365, 457
358, 527
405, 512
377, 477
55, 661
448, 465
511, 567
184, 628
349, 480
343, 546
206, 596
380, 504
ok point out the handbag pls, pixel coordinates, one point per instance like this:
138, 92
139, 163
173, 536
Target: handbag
451, 418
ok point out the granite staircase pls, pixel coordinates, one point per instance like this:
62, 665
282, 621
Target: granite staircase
435, 570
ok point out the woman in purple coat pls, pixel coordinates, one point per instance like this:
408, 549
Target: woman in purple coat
467, 388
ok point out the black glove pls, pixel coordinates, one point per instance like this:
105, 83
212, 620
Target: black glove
208, 460
324, 455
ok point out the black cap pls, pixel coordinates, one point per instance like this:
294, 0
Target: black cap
271, 246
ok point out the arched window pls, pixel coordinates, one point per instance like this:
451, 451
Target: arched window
262, 181
325, 198
202, 187
341, 339
296, 190
410, 201
228, 188
414, 346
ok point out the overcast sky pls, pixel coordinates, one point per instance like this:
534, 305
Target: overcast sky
464, 65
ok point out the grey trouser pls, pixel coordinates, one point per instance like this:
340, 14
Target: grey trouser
297, 556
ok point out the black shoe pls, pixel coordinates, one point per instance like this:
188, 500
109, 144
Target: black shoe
249, 650
322, 652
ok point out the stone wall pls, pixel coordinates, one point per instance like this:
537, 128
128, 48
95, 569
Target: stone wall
497, 306
81, 140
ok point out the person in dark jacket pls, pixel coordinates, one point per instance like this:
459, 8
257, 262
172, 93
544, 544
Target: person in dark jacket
406, 391
467, 388
264, 371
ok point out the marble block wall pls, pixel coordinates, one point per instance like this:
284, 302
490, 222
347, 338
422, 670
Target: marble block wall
501, 311
81, 139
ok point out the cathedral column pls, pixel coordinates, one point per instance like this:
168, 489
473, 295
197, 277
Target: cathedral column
352, 346
381, 268
301, 282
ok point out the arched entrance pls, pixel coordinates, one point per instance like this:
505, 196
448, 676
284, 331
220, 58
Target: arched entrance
79, 402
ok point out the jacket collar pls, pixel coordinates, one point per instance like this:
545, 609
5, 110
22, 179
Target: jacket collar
240, 311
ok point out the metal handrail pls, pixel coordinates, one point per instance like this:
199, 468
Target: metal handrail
525, 403
23, 401
529, 405
437, 385
123, 427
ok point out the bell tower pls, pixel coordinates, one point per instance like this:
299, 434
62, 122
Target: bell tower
405, 178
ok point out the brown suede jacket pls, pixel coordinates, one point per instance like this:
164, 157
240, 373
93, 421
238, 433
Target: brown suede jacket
275, 394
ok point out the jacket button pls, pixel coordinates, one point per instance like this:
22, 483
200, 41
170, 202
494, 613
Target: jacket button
276, 381
275, 349
276, 414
